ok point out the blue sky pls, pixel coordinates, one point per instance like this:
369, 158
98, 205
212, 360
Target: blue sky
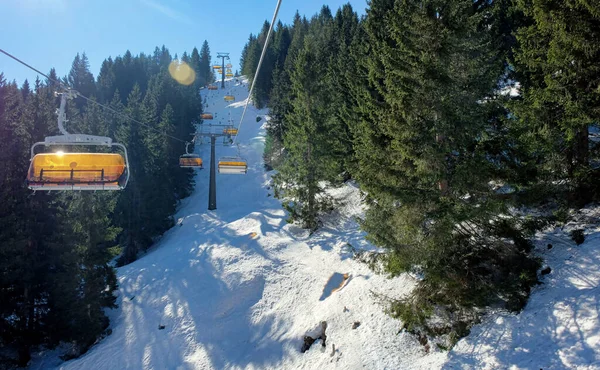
48, 33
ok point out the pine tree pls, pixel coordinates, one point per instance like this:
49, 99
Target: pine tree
81, 79
426, 114
263, 84
195, 64
281, 94
205, 67
557, 56
83, 286
130, 201
251, 58
311, 138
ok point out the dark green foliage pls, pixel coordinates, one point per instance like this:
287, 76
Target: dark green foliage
314, 138
427, 132
54, 277
205, 71
578, 236
557, 56
409, 102
55, 249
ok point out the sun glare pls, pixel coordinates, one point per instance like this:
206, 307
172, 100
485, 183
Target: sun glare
182, 72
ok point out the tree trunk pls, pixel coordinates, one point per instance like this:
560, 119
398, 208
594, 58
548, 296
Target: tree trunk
443, 183
311, 217
582, 148
24, 355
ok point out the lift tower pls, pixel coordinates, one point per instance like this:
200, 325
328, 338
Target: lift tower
223, 56
213, 132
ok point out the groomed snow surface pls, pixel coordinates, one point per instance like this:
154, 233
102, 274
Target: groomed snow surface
238, 288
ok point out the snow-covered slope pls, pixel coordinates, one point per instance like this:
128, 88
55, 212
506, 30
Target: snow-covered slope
560, 327
239, 288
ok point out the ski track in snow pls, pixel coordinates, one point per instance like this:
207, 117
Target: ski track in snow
231, 300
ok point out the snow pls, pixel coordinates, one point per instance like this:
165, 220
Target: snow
238, 288
231, 299
559, 327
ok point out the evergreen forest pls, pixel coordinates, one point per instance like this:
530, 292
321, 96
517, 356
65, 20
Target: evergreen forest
468, 125
455, 118
57, 248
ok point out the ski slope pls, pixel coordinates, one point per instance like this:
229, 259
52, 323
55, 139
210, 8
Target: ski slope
238, 287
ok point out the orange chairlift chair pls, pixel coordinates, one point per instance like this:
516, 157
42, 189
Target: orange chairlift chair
233, 166
190, 160
230, 130
77, 170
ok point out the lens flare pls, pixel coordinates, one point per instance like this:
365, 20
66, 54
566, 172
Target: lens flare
60, 153
182, 72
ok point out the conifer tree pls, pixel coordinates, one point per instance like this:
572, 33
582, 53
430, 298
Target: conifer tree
282, 95
81, 79
557, 56
311, 138
205, 67
130, 201
426, 115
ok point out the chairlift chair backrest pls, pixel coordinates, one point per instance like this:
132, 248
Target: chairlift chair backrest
233, 166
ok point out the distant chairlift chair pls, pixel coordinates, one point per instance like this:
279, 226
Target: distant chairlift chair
190, 160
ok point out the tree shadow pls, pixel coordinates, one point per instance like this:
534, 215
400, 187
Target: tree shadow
207, 316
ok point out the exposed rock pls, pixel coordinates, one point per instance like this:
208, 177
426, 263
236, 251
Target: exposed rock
422, 338
356, 324
308, 341
323, 335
